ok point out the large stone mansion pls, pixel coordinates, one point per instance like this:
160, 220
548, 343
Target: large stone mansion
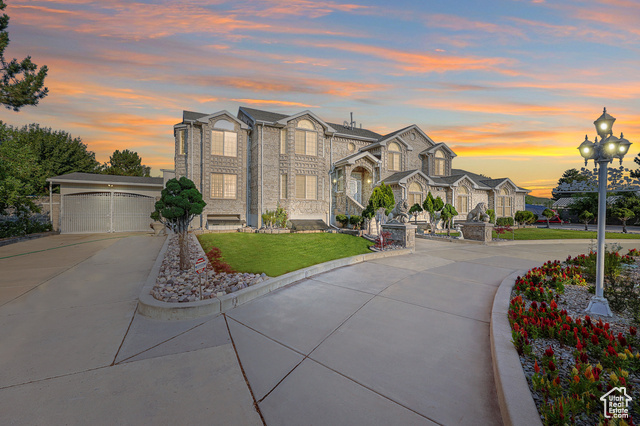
249, 163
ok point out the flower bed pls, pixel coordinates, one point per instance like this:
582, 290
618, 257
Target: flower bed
571, 359
175, 286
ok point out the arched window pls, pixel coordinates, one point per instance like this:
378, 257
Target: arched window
463, 199
505, 203
439, 163
306, 138
415, 194
394, 156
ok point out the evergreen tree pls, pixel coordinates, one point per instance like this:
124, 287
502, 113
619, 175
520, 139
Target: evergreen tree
180, 201
21, 83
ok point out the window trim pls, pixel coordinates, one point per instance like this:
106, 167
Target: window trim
211, 196
306, 186
182, 141
224, 133
284, 186
392, 154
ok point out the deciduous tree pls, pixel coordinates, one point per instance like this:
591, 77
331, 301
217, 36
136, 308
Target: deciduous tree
126, 163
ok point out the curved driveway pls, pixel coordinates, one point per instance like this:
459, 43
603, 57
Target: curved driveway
400, 340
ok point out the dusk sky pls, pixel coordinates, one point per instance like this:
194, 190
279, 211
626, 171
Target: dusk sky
511, 86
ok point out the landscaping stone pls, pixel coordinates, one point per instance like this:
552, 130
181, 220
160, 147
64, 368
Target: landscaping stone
176, 286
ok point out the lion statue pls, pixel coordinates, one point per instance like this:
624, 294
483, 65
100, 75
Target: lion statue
478, 214
399, 213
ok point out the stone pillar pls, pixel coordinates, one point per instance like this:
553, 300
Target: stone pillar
478, 231
401, 233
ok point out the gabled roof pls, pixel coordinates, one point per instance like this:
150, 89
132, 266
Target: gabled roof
455, 181
402, 177
206, 118
191, 115
494, 183
355, 132
285, 120
437, 146
260, 115
107, 179
351, 159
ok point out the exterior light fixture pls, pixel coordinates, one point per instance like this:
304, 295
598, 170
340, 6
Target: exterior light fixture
602, 153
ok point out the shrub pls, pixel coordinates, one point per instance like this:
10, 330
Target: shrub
492, 215
525, 217
355, 220
343, 219
504, 221
23, 226
217, 264
586, 217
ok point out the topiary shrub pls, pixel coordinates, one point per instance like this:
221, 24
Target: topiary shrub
492, 215
342, 219
504, 221
355, 220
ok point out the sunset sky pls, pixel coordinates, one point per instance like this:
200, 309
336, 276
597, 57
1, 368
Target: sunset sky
511, 86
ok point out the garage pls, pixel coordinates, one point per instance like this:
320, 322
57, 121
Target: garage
94, 203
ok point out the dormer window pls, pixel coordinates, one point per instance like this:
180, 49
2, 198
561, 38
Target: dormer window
439, 163
395, 156
306, 138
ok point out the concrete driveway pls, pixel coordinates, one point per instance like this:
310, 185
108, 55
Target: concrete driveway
401, 340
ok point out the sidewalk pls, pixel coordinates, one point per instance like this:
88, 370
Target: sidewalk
401, 340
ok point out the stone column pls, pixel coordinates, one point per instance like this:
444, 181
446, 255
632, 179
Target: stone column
403, 234
478, 231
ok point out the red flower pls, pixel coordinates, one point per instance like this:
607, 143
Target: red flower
594, 339
633, 331
552, 366
584, 358
549, 352
536, 367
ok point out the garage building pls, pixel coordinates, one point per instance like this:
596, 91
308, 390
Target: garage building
95, 203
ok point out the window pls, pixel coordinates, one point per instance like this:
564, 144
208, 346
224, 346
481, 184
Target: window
182, 136
394, 156
283, 186
340, 179
462, 200
223, 186
504, 203
306, 138
439, 163
224, 143
306, 187
283, 141
415, 194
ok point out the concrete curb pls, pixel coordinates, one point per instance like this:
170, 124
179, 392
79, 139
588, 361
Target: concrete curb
11, 240
514, 397
153, 308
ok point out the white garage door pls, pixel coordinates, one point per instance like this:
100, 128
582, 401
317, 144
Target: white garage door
106, 212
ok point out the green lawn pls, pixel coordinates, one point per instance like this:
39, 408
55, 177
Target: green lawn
560, 234
277, 254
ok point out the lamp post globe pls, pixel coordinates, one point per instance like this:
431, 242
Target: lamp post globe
604, 124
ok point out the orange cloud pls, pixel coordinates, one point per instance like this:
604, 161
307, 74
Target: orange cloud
272, 102
291, 85
424, 62
306, 8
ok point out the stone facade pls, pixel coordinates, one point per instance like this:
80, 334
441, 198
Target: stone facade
316, 169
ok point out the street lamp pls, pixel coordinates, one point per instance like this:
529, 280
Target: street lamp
602, 153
